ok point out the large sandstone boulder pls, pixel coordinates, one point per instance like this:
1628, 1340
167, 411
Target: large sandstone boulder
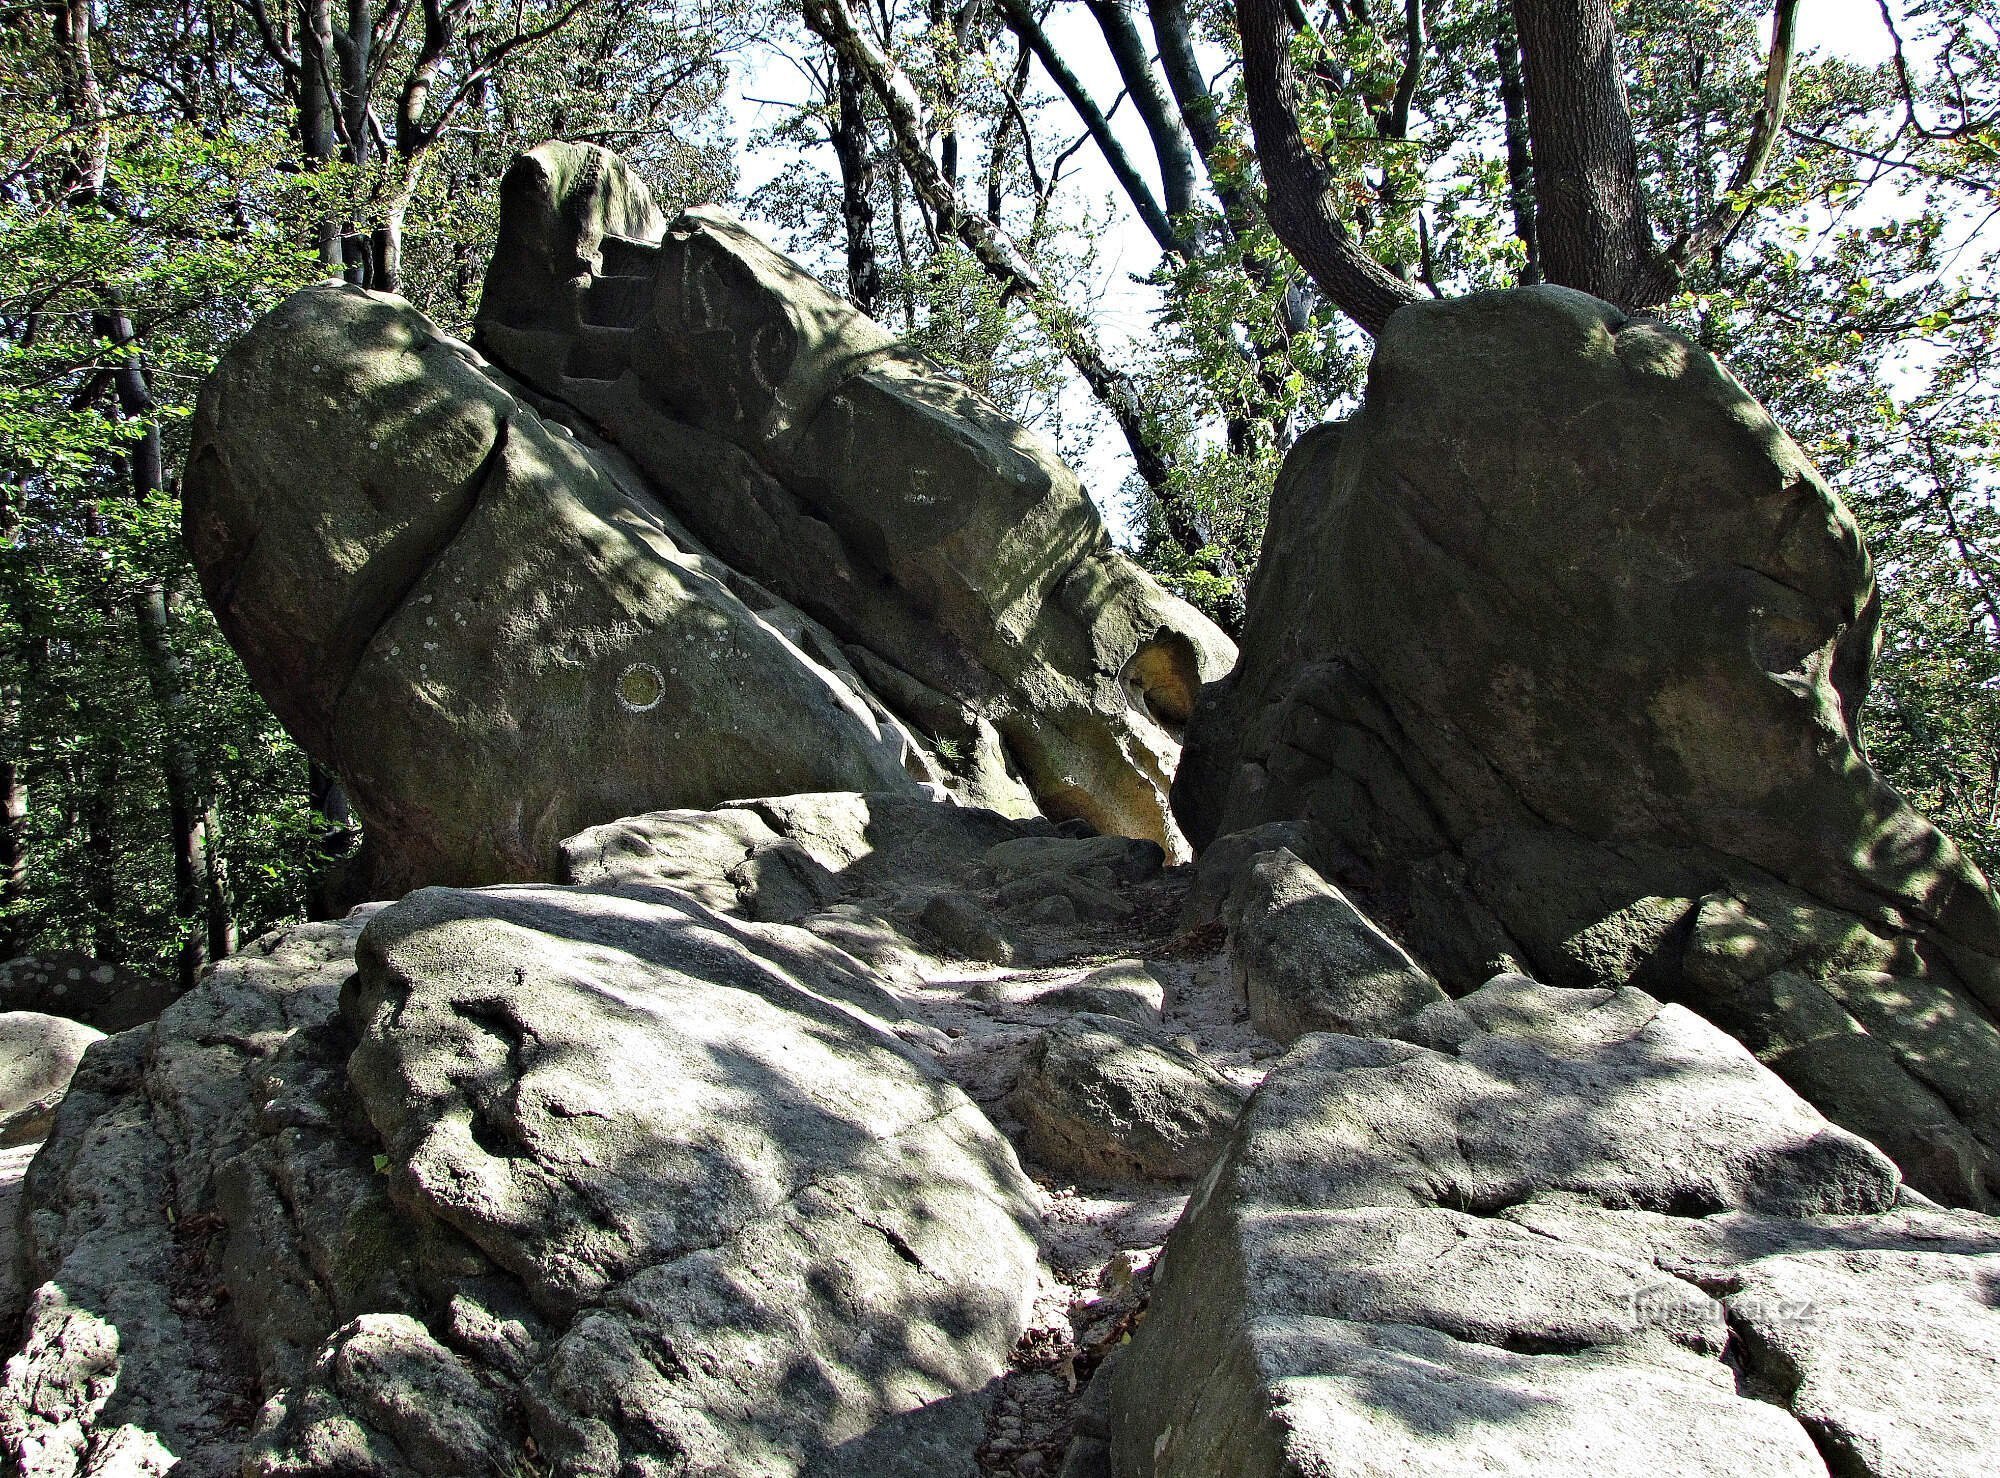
957, 560
588, 1180
1564, 640
485, 626
1545, 1251
99, 993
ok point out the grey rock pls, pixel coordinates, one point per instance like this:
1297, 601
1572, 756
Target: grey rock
966, 927
37, 1056
1124, 988
1224, 860
98, 993
13, 1297
946, 547
1561, 636
1102, 1098
384, 1397
714, 1176
485, 626
1351, 1288
552, 1177
110, 1375
1307, 960
1878, 1333
1106, 861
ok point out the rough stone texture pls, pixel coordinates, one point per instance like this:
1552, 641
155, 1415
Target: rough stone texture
13, 1168
1308, 960
1223, 861
1103, 1098
37, 1056
485, 626
556, 1178
956, 560
1565, 639
1528, 1256
110, 997
1124, 988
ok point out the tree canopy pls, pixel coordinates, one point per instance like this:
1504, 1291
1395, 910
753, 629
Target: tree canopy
974, 174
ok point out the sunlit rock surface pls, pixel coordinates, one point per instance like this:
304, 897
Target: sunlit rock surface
1561, 642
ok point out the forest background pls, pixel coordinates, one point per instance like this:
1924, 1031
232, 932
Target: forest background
1061, 201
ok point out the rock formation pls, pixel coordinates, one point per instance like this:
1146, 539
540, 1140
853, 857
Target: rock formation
953, 555
1561, 642
919, 1117
1593, 1236
804, 560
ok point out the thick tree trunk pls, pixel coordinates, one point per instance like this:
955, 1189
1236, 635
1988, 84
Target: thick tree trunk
1591, 222
316, 102
326, 890
1298, 202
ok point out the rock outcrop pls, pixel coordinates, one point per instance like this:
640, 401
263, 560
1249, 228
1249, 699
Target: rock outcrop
956, 559
1561, 641
99, 993
1595, 1236
485, 626
563, 1178
803, 561
38, 1054
839, 1132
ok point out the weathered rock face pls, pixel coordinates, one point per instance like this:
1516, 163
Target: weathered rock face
1528, 1255
1103, 1098
1563, 639
958, 562
37, 1056
585, 1179
486, 627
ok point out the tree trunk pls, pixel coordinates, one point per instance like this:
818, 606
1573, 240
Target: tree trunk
997, 253
1591, 222
194, 890
1021, 20
1163, 126
1520, 165
13, 825
316, 100
326, 894
851, 146
99, 858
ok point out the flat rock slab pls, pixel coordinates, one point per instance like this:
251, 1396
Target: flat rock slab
1350, 1292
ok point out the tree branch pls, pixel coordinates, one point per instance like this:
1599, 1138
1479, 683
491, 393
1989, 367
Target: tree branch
1299, 198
